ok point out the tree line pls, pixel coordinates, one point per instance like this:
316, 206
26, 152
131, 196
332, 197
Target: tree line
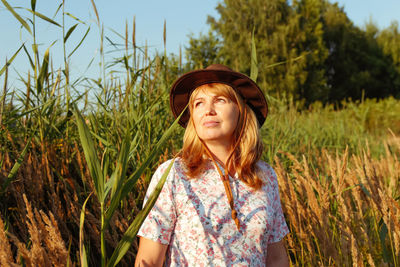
306, 49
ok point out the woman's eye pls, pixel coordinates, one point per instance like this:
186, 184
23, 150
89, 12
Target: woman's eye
221, 100
198, 103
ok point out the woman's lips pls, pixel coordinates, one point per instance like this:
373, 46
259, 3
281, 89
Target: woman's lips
210, 123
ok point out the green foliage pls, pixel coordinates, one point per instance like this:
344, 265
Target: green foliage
272, 25
307, 50
202, 51
17, 16
356, 65
389, 40
91, 158
324, 127
291, 52
16, 166
124, 128
113, 191
3, 69
311, 81
130, 234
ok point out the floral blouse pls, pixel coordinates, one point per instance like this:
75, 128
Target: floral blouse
193, 217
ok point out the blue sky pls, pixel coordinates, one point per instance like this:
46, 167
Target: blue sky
183, 17
382, 12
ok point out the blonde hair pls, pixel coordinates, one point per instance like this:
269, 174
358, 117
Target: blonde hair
247, 152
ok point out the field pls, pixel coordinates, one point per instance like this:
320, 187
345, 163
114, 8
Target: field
76, 161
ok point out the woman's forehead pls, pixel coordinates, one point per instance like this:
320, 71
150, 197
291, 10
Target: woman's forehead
208, 90
205, 93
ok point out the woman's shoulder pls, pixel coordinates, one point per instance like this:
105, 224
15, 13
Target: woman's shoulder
267, 173
174, 170
264, 166
178, 165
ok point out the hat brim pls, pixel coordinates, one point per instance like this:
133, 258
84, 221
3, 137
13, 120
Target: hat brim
243, 85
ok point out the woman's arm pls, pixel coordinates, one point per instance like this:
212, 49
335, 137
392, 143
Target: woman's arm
276, 255
150, 253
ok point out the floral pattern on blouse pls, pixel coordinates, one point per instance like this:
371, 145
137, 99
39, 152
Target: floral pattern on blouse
193, 217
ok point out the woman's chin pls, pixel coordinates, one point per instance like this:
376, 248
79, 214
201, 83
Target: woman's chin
216, 139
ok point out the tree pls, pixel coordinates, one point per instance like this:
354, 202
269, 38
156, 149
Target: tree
356, 65
308, 49
389, 40
269, 19
311, 45
289, 43
203, 51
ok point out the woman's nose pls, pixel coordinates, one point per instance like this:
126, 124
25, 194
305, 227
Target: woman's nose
210, 109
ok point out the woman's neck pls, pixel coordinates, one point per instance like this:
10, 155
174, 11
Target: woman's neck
219, 151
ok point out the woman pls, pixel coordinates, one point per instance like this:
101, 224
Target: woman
220, 204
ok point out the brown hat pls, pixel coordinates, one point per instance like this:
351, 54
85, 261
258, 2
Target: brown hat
217, 73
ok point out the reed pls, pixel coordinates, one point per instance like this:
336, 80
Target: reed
343, 207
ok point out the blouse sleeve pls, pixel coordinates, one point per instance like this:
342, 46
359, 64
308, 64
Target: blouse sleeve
279, 227
160, 221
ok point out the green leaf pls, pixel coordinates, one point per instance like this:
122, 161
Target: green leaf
254, 64
48, 112
365, 190
131, 181
134, 144
130, 234
69, 32
101, 139
29, 57
33, 4
79, 44
58, 9
112, 43
118, 177
43, 17
75, 18
286, 61
121, 166
10, 60
383, 232
22, 21
90, 155
43, 71
17, 164
153, 105
35, 49
15, 117
82, 250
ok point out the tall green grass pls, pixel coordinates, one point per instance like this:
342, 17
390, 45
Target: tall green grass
354, 125
122, 131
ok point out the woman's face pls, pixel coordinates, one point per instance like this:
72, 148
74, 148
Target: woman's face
215, 117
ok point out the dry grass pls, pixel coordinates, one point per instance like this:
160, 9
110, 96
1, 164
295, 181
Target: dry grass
45, 247
343, 210
6, 258
43, 205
